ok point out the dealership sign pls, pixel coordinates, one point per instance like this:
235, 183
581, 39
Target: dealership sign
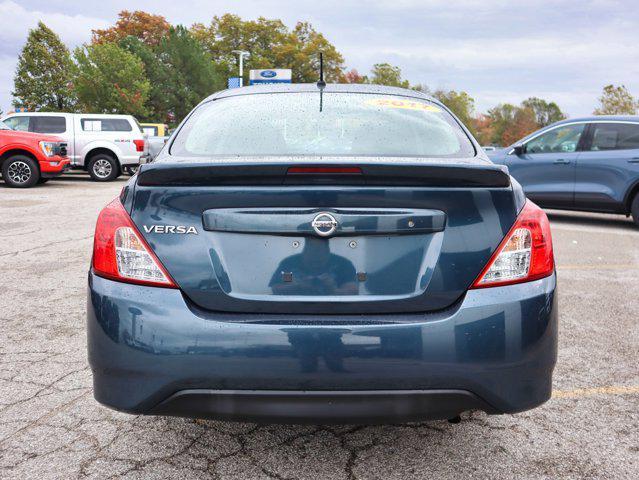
270, 75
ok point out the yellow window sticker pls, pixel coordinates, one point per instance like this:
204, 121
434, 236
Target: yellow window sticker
406, 104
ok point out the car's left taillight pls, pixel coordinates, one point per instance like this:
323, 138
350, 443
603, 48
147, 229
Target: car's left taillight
525, 253
121, 253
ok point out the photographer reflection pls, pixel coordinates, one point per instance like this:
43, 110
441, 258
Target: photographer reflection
315, 271
312, 344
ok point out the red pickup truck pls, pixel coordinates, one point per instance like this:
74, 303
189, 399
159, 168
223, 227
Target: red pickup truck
27, 159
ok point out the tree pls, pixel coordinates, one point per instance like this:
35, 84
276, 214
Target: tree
616, 101
483, 129
110, 80
387, 74
300, 52
353, 76
180, 72
272, 45
523, 123
42, 76
460, 103
145, 26
501, 117
545, 112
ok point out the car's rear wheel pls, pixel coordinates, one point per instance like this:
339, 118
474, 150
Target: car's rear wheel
20, 171
103, 168
634, 208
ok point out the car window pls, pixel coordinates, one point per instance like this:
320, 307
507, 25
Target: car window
105, 125
614, 136
20, 123
150, 131
297, 124
558, 140
48, 124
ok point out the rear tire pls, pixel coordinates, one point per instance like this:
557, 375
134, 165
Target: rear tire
20, 171
634, 208
103, 168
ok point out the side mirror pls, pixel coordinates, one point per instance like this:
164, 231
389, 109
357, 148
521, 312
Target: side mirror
519, 150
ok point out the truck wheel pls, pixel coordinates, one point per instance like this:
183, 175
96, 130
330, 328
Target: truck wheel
634, 208
20, 171
103, 168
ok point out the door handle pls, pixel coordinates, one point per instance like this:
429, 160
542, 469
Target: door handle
562, 161
634, 160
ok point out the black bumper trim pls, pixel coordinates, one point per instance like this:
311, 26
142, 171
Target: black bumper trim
321, 407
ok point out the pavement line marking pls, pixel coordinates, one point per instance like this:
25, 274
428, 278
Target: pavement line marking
588, 392
598, 267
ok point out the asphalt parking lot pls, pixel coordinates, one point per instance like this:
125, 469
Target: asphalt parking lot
50, 426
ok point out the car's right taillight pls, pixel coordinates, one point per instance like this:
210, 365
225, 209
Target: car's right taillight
524, 254
121, 253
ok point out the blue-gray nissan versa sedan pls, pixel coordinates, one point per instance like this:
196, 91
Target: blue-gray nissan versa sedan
322, 254
589, 164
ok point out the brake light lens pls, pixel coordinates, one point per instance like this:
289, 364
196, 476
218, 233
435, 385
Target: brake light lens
524, 255
324, 170
139, 145
121, 253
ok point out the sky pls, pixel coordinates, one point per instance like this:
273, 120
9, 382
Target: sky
496, 50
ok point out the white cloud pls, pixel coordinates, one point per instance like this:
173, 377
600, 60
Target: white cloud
17, 20
16, 23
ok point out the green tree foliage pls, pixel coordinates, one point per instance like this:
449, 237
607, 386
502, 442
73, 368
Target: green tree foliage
460, 103
300, 52
42, 76
271, 45
616, 101
387, 74
181, 73
110, 80
545, 112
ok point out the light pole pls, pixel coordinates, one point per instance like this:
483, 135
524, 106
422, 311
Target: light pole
242, 54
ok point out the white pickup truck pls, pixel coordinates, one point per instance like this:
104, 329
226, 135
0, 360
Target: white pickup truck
104, 145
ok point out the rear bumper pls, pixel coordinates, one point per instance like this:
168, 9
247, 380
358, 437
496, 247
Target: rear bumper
151, 353
274, 406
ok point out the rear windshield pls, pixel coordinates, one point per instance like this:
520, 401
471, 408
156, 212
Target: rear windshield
342, 124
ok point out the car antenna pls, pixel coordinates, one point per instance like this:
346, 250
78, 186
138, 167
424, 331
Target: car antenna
321, 83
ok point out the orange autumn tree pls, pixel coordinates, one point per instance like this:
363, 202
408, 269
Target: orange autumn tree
149, 28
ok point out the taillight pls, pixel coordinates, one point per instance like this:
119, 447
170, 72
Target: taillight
525, 254
121, 253
139, 145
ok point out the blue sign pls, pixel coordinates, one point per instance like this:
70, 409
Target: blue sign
267, 73
234, 82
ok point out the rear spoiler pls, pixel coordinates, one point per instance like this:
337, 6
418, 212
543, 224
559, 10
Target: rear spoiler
255, 173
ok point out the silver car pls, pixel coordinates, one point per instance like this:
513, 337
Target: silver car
102, 144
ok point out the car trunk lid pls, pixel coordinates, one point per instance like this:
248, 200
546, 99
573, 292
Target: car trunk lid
286, 237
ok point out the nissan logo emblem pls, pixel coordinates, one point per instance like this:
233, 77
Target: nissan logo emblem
324, 224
